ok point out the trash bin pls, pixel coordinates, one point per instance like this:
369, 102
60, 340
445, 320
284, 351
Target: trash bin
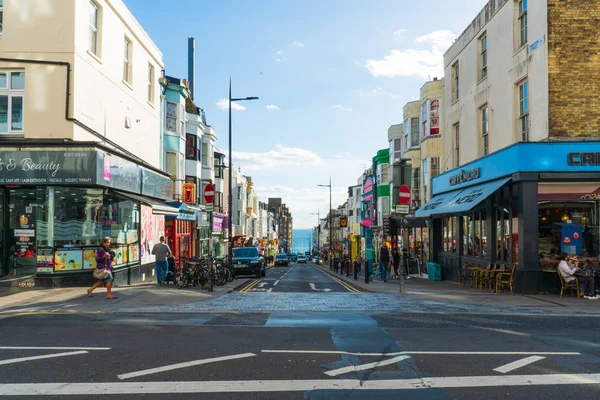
434, 271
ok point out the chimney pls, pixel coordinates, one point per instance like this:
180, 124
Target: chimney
435, 78
192, 64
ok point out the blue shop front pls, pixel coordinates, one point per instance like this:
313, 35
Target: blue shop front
518, 207
58, 201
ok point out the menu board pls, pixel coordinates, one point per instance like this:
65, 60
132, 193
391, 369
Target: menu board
24, 241
68, 260
89, 259
45, 259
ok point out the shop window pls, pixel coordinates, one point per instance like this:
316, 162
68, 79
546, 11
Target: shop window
12, 92
504, 240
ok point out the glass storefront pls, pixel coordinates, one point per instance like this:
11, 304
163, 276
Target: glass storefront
57, 229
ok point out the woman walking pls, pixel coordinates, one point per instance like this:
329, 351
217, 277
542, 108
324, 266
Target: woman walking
103, 272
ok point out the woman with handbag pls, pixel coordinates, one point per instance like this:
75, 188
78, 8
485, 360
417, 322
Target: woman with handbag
103, 271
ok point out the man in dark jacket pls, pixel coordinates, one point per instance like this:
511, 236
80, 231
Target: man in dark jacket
384, 261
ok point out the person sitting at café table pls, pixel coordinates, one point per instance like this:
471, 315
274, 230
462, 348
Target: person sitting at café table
586, 283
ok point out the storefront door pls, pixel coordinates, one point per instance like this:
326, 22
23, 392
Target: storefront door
21, 232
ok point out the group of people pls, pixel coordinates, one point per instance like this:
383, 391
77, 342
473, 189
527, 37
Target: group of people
104, 261
390, 261
571, 270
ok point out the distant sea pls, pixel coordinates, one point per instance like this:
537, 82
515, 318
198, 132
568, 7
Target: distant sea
302, 240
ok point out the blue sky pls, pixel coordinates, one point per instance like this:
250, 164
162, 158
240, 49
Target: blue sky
332, 76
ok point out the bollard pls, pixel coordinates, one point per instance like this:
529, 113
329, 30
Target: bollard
366, 271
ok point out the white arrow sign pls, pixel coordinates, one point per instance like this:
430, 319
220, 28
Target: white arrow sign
312, 286
262, 284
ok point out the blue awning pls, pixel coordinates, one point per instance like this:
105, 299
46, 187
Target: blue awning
461, 200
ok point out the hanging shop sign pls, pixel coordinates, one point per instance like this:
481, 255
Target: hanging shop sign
464, 176
189, 193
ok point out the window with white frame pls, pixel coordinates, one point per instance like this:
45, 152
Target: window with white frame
455, 81
205, 158
1, 16
171, 163
406, 127
425, 179
524, 110
150, 83
397, 148
435, 167
456, 128
485, 130
12, 93
416, 185
94, 28
434, 117
483, 56
522, 22
127, 60
424, 119
171, 117
415, 140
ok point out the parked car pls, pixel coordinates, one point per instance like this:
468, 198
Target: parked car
302, 259
247, 260
294, 257
282, 259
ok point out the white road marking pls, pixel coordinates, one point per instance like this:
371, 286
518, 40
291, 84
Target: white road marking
269, 290
362, 367
313, 287
120, 388
476, 353
183, 365
52, 348
518, 364
262, 284
276, 282
24, 359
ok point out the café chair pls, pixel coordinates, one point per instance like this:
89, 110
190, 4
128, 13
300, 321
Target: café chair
573, 285
465, 273
506, 279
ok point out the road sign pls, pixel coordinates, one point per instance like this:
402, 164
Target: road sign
209, 193
404, 195
209, 207
402, 209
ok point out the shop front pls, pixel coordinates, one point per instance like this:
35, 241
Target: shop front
181, 232
521, 207
56, 205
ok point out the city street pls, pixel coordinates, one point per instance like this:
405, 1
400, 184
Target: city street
304, 341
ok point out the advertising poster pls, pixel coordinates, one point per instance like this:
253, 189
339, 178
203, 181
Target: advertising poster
121, 254
24, 242
89, 259
146, 230
68, 260
45, 259
134, 253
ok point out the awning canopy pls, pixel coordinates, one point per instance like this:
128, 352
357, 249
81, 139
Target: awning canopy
461, 200
185, 211
158, 207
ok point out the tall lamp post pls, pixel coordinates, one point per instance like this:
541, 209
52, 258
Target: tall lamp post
230, 196
330, 226
318, 214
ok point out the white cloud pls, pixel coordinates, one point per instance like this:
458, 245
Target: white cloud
279, 156
408, 62
223, 104
343, 155
370, 92
281, 59
341, 108
272, 107
399, 32
299, 44
279, 52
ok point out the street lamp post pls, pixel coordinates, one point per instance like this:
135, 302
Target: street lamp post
230, 195
330, 226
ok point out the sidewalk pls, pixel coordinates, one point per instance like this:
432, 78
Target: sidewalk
69, 300
449, 291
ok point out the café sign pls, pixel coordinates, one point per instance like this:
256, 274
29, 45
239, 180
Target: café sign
465, 176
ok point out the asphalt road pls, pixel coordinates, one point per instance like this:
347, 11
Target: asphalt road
300, 354
297, 278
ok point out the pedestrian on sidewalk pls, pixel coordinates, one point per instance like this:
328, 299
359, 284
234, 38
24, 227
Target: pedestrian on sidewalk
396, 257
384, 261
162, 253
103, 272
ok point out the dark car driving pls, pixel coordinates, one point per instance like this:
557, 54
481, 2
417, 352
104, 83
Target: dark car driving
282, 259
247, 261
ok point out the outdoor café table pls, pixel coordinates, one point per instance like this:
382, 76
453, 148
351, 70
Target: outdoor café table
551, 287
